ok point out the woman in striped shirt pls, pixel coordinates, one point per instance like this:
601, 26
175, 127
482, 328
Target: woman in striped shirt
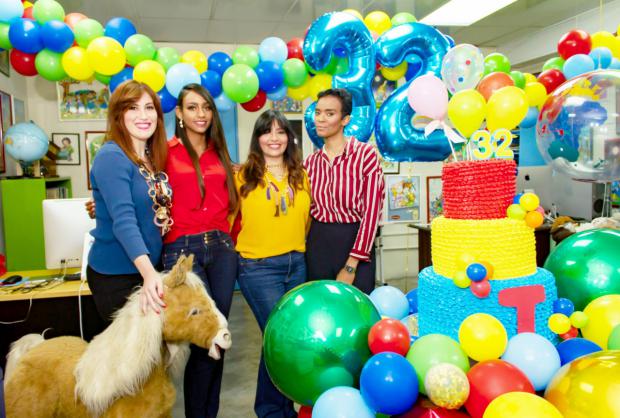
348, 189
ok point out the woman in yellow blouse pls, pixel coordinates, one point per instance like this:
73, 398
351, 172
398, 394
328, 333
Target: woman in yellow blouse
274, 214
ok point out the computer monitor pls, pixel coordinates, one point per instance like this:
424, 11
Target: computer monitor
65, 224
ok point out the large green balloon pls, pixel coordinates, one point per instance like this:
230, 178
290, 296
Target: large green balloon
317, 338
46, 10
496, 62
246, 55
295, 73
167, 57
553, 63
586, 265
240, 83
5, 42
48, 64
86, 31
139, 48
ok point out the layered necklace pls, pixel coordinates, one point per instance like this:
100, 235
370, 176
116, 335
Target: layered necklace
278, 195
161, 194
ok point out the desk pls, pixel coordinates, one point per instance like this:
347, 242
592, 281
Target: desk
56, 308
542, 235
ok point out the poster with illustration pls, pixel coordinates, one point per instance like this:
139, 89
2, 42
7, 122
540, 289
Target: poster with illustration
69, 144
382, 88
94, 142
79, 100
434, 197
403, 198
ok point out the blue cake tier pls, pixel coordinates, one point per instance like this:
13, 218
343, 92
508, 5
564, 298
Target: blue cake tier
443, 306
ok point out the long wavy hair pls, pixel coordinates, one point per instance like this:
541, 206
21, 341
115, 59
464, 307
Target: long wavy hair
253, 171
125, 95
215, 134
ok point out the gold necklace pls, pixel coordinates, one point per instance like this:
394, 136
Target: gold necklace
278, 176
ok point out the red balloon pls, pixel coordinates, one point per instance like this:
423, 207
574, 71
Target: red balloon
72, 18
481, 289
551, 79
23, 63
576, 41
571, 333
295, 48
305, 412
256, 103
389, 335
426, 409
490, 379
494, 81
28, 13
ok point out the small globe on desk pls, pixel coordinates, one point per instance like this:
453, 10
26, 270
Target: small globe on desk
26, 143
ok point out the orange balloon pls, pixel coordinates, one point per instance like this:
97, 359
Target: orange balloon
492, 82
72, 18
534, 219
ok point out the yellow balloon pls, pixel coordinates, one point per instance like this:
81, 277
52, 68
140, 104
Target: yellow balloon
529, 78
150, 73
603, 315
27, 4
521, 405
559, 323
607, 40
467, 110
446, 386
354, 13
106, 55
75, 63
394, 73
318, 83
483, 337
197, 59
588, 386
506, 108
378, 21
301, 92
536, 93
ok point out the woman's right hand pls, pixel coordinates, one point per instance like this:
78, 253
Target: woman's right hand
152, 293
90, 208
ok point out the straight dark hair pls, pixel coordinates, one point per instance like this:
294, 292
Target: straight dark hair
345, 98
214, 133
253, 171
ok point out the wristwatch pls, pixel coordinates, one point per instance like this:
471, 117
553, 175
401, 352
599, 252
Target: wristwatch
349, 269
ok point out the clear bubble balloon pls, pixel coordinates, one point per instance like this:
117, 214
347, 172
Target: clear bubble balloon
462, 68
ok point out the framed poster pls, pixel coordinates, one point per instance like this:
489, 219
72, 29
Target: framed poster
94, 141
403, 198
287, 105
6, 120
434, 197
69, 148
79, 100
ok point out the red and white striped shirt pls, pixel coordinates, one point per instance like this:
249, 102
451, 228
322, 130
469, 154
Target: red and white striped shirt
349, 189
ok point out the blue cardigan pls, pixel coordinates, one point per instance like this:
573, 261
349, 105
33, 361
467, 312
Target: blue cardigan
125, 228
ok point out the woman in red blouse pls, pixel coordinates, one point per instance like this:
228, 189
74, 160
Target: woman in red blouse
347, 188
204, 195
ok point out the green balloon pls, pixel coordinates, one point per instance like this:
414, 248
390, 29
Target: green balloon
167, 57
240, 83
139, 48
316, 338
518, 78
45, 10
86, 30
403, 17
295, 73
586, 265
48, 64
613, 343
433, 349
496, 62
103, 79
246, 55
553, 63
5, 43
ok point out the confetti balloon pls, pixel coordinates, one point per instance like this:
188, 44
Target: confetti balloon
462, 68
447, 386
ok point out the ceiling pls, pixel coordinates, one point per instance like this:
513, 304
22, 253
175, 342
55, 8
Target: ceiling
250, 21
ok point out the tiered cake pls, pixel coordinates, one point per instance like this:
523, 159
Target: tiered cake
476, 196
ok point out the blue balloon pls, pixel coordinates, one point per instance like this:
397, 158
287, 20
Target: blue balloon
180, 75
170, 122
223, 103
212, 81
341, 402
342, 30
530, 118
56, 36
563, 306
270, 76
389, 383
576, 347
278, 94
25, 35
615, 64
125, 74
273, 49
119, 28
390, 302
601, 57
413, 68
412, 297
168, 101
10, 9
535, 356
577, 65
516, 199
397, 139
219, 62
476, 272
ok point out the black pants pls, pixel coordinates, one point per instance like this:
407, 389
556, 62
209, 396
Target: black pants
110, 291
327, 249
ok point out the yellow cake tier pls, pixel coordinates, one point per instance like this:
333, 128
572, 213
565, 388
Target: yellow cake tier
509, 245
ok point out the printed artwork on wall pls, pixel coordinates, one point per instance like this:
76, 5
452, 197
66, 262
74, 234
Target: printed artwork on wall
69, 148
94, 141
403, 198
287, 105
82, 101
434, 197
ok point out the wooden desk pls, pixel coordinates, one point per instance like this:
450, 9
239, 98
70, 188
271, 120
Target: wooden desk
542, 235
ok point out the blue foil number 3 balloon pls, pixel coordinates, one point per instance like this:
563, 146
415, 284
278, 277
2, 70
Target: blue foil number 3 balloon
344, 32
397, 138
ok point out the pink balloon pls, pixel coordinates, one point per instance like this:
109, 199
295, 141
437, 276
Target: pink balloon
428, 96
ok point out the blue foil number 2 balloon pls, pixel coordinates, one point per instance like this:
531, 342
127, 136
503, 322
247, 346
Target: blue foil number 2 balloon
344, 32
397, 139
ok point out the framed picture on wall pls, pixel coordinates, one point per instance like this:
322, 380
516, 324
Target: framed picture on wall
79, 100
94, 141
287, 105
403, 198
5, 67
69, 148
434, 197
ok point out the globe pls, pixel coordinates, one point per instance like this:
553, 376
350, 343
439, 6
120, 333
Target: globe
316, 338
25, 142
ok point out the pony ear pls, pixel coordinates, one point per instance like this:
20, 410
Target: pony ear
176, 277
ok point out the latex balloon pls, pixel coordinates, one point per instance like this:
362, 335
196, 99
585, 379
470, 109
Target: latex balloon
119, 28
219, 62
270, 76
496, 62
10, 9
551, 79
23, 63
195, 58
278, 94
601, 57
553, 63
403, 17
506, 108
168, 101
273, 49
378, 22
574, 348
603, 316
117, 79
223, 103
586, 266
389, 335
316, 339
428, 96
426, 409
587, 386
86, 30
180, 75
106, 56
295, 48
246, 55
139, 48
342, 402
75, 63
519, 405
167, 57
535, 356
240, 83
397, 139
530, 118
390, 301
536, 93
447, 386
57, 36
578, 64
256, 103
467, 110
25, 35
613, 342
212, 81
462, 68
49, 66
344, 30
295, 74
73, 18
46, 10
483, 337
518, 78
150, 73
574, 42
493, 82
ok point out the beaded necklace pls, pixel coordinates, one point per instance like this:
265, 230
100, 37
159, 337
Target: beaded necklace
279, 196
161, 194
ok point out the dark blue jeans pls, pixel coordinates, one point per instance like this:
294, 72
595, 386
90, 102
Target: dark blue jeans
263, 282
215, 261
